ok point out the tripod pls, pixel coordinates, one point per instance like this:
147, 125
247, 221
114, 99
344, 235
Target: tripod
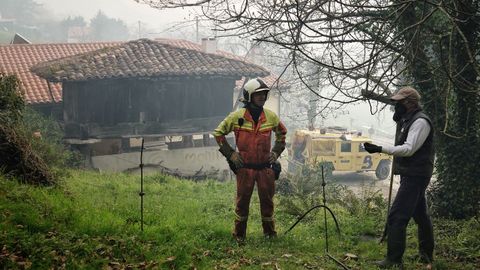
141, 194
325, 209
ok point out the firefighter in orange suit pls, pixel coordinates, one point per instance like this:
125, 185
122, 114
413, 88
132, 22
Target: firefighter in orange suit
253, 126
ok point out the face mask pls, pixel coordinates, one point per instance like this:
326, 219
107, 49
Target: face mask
400, 110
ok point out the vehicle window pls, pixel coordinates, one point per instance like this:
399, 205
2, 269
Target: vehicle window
361, 148
346, 147
323, 148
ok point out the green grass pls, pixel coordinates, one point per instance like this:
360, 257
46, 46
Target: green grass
92, 221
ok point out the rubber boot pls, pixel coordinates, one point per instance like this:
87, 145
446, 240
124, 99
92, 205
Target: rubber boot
269, 229
396, 237
240, 231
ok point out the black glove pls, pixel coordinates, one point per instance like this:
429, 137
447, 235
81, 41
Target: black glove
277, 168
272, 158
372, 148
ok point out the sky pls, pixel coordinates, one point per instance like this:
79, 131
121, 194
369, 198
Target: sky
127, 10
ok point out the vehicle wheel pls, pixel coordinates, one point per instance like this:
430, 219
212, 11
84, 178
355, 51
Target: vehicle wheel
383, 169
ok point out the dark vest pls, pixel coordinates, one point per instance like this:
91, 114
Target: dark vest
421, 162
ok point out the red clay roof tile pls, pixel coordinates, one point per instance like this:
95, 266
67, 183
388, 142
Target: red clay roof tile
271, 80
18, 58
144, 58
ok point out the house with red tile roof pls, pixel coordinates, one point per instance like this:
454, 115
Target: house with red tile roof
46, 97
144, 87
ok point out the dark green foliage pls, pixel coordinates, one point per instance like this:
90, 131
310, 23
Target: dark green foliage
30, 145
303, 190
18, 158
49, 145
441, 61
11, 102
456, 193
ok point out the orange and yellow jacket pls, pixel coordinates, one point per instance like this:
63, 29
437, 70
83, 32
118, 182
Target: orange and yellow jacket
253, 140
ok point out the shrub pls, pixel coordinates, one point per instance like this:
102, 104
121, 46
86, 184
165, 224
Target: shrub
302, 191
26, 155
46, 136
12, 105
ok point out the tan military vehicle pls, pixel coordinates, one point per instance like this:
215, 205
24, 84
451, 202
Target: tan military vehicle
339, 149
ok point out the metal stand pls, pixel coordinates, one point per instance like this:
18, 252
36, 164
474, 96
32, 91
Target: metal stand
141, 185
325, 208
325, 223
385, 229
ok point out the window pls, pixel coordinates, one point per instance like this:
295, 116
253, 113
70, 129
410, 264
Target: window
361, 148
323, 147
346, 147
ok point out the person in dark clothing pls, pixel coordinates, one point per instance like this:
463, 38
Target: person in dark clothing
413, 161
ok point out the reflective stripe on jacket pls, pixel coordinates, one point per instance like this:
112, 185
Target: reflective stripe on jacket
253, 141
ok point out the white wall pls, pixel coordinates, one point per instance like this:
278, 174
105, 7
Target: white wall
187, 161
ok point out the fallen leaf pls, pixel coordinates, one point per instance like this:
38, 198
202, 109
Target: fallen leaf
245, 261
25, 264
230, 251
350, 256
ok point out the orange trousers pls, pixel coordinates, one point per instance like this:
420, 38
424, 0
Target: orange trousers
246, 179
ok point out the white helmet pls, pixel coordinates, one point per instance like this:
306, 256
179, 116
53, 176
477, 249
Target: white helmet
254, 86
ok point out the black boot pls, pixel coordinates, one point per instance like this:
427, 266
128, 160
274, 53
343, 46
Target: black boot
386, 264
240, 231
396, 238
269, 229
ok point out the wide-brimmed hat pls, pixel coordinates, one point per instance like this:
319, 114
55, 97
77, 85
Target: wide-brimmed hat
406, 92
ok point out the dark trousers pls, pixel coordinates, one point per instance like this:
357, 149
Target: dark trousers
410, 202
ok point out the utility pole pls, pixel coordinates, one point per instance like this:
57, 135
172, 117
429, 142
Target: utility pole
196, 29
139, 29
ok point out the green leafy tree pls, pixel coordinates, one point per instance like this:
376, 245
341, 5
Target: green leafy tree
104, 28
68, 23
25, 11
31, 20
